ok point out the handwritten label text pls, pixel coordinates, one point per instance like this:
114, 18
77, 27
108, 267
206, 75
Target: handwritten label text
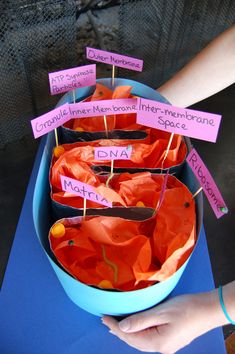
104, 107
122, 61
188, 122
70, 79
83, 190
208, 184
51, 120
113, 152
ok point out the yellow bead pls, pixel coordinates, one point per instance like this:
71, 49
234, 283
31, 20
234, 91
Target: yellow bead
105, 284
79, 129
140, 204
58, 230
58, 151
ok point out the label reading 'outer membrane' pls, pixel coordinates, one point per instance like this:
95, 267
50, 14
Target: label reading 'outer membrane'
122, 61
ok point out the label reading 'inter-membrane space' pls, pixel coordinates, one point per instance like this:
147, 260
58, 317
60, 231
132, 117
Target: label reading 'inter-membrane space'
183, 121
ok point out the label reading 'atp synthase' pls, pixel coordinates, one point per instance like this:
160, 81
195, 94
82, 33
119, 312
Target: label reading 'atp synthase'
71, 79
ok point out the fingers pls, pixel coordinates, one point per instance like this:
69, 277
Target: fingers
140, 321
141, 340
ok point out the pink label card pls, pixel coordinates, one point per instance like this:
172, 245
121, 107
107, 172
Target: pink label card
71, 79
184, 121
83, 190
113, 152
208, 184
122, 61
104, 107
51, 120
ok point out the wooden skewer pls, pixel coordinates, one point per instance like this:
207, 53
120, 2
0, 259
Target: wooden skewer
74, 96
106, 127
84, 208
113, 74
197, 192
56, 137
112, 166
111, 173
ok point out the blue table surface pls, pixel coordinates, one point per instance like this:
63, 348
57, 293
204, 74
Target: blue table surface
36, 316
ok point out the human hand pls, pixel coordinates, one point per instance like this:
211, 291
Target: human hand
168, 327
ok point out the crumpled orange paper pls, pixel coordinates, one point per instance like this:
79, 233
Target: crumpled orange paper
123, 189
144, 155
110, 252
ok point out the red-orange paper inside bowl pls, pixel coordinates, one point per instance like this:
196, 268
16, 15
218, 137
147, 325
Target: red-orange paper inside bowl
150, 153
138, 189
115, 253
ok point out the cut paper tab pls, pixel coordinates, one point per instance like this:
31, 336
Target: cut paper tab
208, 184
104, 107
83, 190
51, 120
71, 79
122, 61
113, 153
183, 121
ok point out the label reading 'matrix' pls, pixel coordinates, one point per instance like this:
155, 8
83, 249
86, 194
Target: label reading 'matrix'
83, 190
113, 152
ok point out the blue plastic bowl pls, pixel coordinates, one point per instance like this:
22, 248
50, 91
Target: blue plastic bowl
93, 300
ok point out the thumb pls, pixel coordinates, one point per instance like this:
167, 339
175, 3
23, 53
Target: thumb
142, 320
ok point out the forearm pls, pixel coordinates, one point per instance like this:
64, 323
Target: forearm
209, 72
215, 311
173, 324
